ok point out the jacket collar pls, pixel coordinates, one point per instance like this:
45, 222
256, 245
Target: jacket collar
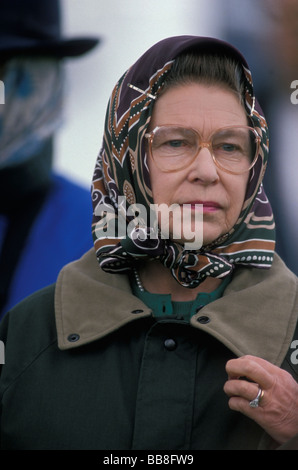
87, 303
257, 314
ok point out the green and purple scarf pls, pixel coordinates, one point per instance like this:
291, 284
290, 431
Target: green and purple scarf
121, 179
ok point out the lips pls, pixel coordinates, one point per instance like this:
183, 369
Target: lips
207, 206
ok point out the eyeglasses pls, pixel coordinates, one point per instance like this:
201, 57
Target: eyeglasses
234, 149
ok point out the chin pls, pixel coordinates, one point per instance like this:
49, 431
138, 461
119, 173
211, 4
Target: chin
211, 239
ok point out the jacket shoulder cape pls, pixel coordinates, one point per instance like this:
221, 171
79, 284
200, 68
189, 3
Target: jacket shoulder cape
257, 314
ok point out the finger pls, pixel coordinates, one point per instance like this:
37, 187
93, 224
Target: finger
241, 395
262, 362
242, 405
248, 366
241, 388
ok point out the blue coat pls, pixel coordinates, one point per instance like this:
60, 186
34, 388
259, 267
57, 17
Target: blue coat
61, 233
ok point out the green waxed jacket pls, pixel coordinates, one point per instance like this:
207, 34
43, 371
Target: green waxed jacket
87, 367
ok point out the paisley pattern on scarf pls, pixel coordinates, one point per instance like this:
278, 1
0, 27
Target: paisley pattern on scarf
121, 179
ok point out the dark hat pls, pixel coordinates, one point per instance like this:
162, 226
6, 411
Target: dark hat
34, 27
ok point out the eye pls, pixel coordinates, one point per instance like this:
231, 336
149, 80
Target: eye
228, 147
175, 143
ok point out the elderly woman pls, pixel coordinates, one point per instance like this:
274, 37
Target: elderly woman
177, 341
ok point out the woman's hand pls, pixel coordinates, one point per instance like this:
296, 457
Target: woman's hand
277, 412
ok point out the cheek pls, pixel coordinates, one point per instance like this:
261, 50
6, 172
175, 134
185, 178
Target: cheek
236, 190
161, 191
243, 187
162, 185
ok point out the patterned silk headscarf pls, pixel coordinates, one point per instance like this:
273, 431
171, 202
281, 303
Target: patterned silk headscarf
121, 179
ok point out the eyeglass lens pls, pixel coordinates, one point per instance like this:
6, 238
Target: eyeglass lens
234, 148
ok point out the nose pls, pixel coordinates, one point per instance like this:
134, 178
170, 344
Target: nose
203, 168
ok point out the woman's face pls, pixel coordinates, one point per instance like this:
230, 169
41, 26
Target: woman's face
206, 109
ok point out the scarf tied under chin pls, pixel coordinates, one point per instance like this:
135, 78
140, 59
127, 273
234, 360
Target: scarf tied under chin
121, 171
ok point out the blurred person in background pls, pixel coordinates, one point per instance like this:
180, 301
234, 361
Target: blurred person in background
37, 206
270, 44
282, 178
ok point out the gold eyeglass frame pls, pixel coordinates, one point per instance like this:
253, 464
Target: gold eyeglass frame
207, 144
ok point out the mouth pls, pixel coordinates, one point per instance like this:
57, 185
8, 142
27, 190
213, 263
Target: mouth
203, 206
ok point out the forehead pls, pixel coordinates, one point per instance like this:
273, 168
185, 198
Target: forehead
199, 106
